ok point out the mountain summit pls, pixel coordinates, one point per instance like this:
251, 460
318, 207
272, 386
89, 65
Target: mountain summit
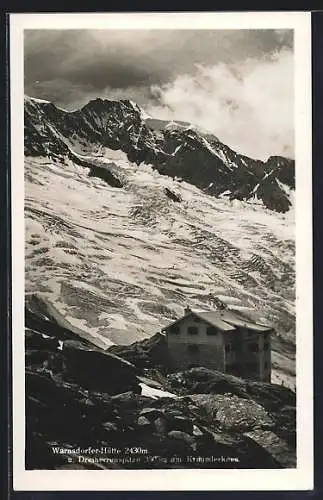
175, 149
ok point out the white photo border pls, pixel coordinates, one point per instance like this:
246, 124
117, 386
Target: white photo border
300, 478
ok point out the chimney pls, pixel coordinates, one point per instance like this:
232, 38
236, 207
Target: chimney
187, 310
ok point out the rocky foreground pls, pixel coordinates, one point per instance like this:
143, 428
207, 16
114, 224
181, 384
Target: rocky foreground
125, 408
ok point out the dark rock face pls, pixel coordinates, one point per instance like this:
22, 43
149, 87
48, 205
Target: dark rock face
96, 171
179, 151
148, 353
99, 370
106, 176
42, 316
79, 396
172, 196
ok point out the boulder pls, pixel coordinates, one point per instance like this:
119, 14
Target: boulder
151, 413
160, 425
109, 426
204, 381
272, 396
233, 413
285, 424
276, 447
173, 196
143, 421
98, 370
197, 431
147, 353
181, 423
183, 436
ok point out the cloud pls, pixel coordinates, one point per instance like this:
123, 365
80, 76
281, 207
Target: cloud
237, 83
125, 58
248, 105
76, 95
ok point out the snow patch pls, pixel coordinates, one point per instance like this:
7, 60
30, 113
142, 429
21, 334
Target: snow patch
151, 392
142, 112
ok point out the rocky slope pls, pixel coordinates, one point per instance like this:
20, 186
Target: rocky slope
88, 408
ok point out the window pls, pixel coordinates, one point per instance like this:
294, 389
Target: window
174, 330
253, 347
192, 330
193, 348
266, 346
211, 330
228, 348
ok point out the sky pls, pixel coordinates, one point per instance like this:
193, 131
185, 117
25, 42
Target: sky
237, 84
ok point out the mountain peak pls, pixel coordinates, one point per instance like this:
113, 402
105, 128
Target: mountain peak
176, 149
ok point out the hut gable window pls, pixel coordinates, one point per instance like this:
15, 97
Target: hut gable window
174, 330
192, 330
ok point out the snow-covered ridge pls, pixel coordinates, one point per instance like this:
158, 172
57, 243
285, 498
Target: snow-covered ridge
143, 114
178, 149
36, 100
